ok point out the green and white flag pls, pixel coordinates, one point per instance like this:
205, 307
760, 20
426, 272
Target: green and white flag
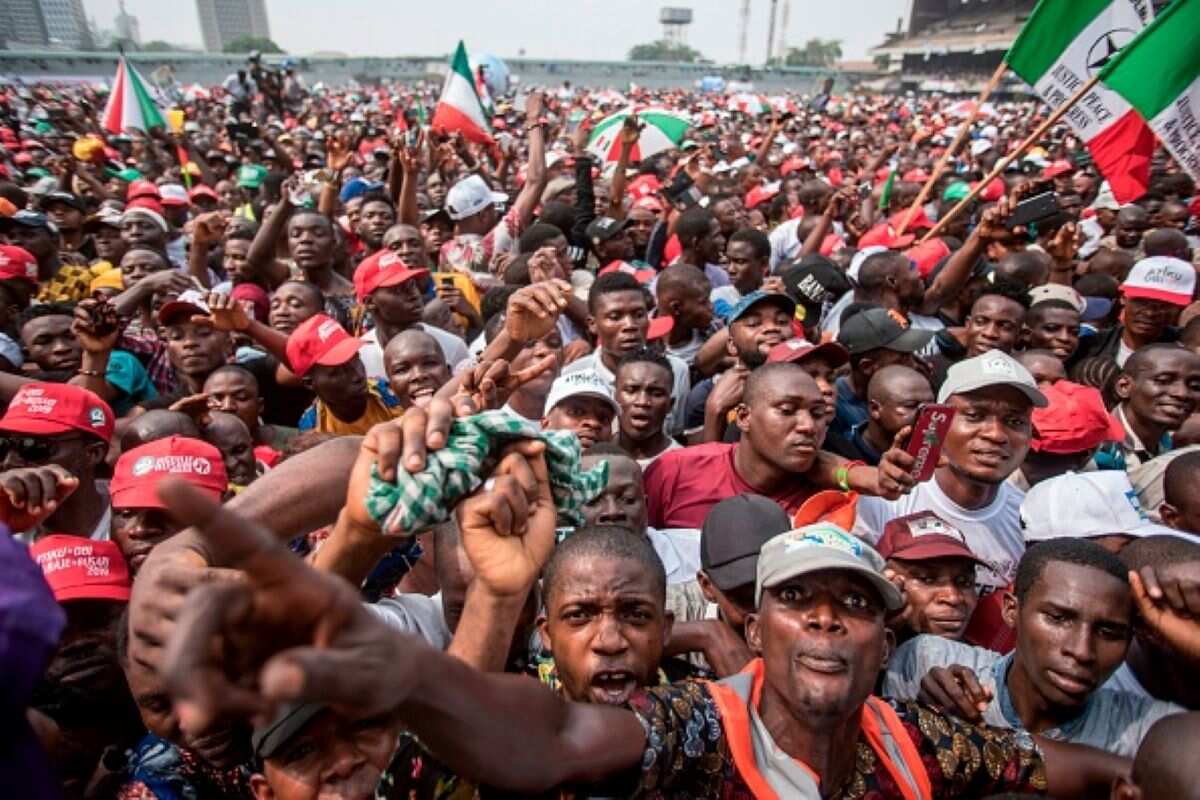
459, 108
1158, 74
1064, 44
130, 106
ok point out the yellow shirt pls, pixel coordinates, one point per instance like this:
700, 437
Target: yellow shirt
382, 406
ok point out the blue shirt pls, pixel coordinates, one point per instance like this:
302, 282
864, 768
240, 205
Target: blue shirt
851, 412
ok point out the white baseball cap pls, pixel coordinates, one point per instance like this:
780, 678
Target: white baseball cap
584, 382
470, 196
993, 368
1079, 505
1164, 278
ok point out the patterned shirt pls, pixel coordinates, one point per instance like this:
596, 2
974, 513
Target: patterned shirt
687, 755
474, 253
70, 284
159, 770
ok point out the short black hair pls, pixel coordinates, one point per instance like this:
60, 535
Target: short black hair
558, 214
757, 240
602, 449
1181, 477
1010, 290
876, 269
378, 196
1100, 372
644, 355
692, 224
607, 541
1035, 311
1167, 242
1140, 358
236, 369
760, 375
537, 235
686, 277
611, 283
1082, 552
312, 288
46, 310
1159, 552
495, 301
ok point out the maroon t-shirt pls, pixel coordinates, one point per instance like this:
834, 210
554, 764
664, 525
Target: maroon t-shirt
682, 485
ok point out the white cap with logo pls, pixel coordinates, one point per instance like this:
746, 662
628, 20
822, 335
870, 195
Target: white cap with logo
1079, 505
470, 196
993, 368
585, 383
1164, 278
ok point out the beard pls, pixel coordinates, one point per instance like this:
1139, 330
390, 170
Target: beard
753, 358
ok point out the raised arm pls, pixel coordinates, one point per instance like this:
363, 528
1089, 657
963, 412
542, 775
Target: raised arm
954, 276
535, 175
261, 256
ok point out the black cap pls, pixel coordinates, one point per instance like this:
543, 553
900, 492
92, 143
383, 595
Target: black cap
601, 229
875, 328
290, 720
734, 531
59, 196
814, 280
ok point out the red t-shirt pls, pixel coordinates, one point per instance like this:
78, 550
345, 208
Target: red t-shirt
682, 485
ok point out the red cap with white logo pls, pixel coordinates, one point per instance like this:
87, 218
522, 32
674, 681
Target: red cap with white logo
139, 471
46, 409
385, 268
320, 340
82, 569
17, 263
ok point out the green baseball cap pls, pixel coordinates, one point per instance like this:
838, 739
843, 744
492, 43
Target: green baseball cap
956, 191
250, 176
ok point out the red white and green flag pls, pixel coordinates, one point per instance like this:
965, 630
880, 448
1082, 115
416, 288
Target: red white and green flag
1158, 74
459, 108
130, 104
1064, 44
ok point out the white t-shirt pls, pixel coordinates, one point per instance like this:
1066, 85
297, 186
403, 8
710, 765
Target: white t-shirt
453, 348
679, 550
993, 532
679, 390
417, 614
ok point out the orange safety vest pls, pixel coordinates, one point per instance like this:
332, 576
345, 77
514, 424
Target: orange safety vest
737, 698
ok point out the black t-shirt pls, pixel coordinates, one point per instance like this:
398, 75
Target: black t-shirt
283, 405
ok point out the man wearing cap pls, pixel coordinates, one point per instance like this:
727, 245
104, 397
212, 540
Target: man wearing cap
176, 210
64, 425
18, 283
193, 344
930, 562
1054, 318
1152, 297
139, 518
993, 397
609, 240
822, 599
67, 211
83, 697
1158, 390
756, 323
57, 281
478, 233
815, 283
619, 318
1066, 433
325, 357
104, 228
1052, 683
876, 338
1099, 505
391, 291
581, 402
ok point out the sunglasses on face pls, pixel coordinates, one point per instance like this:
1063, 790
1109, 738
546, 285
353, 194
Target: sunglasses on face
31, 449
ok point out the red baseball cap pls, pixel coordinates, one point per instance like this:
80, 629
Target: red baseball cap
17, 263
82, 569
320, 340
139, 471
203, 191
920, 220
926, 255
142, 188
1074, 420
923, 536
642, 275
794, 350
1056, 168
49, 408
256, 296
884, 235
659, 328
385, 268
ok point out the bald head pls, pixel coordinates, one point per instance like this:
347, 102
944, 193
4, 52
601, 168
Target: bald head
891, 382
1132, 215
681, 279
158, 424
1165, 765
777, 378
411, 339
1167, 242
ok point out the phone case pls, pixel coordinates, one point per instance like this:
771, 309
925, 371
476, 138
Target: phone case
925, 443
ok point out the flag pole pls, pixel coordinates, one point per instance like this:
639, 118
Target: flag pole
963, 132
1003, 163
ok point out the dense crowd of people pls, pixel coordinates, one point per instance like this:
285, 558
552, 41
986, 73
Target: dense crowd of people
348, 457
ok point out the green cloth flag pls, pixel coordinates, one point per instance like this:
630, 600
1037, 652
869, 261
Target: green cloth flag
1063, 44
1158, 73
415, 502
885, 196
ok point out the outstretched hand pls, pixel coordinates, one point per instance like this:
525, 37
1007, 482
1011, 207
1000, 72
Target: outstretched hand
29, 495
285, 633
533, 310
491, 383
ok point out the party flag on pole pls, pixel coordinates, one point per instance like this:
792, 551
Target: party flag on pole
459, 108
130, 105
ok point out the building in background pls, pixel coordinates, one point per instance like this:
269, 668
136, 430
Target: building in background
125, 26
44, 23
222, 21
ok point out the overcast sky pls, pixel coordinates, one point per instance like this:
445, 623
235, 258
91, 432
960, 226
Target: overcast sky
583, 29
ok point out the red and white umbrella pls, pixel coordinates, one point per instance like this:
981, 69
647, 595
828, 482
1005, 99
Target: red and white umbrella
662, 130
